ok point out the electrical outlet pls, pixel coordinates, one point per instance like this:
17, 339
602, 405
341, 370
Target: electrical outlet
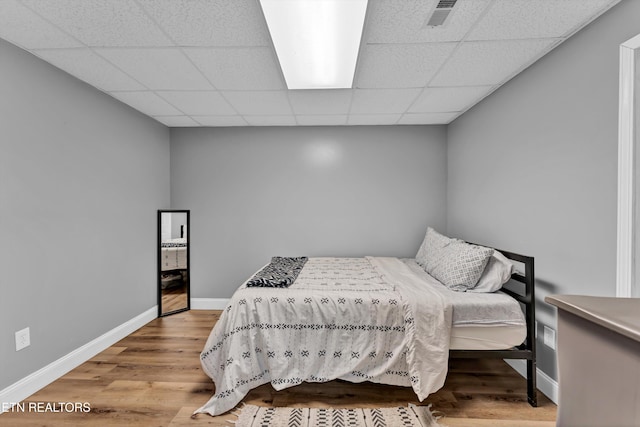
549, 337
23, 339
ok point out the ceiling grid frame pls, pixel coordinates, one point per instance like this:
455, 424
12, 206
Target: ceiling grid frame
354, 115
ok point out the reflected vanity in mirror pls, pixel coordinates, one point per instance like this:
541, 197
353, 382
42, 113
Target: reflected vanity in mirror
173, 262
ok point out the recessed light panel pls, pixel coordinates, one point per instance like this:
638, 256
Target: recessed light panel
317, 41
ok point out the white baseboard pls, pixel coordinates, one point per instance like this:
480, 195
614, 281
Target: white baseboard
30, 384
547, 385
209, 303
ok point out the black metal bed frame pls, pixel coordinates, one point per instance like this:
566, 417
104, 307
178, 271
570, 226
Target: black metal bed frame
526, 350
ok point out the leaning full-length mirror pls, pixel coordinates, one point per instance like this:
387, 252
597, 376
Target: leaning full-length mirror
173, 261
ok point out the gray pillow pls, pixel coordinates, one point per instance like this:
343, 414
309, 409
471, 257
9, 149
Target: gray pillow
458, 265
497, 272
433, 242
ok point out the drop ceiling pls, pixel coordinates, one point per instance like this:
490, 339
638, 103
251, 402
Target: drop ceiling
212, 63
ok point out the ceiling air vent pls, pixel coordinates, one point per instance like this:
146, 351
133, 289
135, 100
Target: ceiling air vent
446, 4
441, 12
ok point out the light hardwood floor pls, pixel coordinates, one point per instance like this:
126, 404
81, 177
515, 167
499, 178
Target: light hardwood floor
174, 298
153, 378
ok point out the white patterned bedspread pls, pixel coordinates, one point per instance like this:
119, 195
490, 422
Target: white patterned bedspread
357, 319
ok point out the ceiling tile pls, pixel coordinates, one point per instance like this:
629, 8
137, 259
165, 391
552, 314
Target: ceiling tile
100, 23
212, 63
404, 21
333, 101
490, 62
200, 103
158, 69
443, 99
382, 101
238, 68
89, 67
271, 120
147, 102
522, 19
177, 121
220, 120
26, 29
373, 119
210, 22
259, 102
322, 120
400, 65
428, 118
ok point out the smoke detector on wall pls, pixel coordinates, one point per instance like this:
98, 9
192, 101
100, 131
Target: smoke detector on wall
440, 13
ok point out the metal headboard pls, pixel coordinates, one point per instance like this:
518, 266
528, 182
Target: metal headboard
526, 350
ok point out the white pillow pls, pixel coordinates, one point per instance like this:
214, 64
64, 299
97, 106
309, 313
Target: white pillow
433, 241
497, 273
458, 265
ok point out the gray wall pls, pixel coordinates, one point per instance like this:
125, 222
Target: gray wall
325, 191
533, 168
177, 220
81, 178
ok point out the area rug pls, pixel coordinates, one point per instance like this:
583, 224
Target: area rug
411, 416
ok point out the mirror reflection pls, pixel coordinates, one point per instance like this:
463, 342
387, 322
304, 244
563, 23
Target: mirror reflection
173, 262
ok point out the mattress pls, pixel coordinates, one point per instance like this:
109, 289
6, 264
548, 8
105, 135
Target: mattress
481, 321
486, 337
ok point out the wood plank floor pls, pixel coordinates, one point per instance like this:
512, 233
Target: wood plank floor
174, 298
153, 378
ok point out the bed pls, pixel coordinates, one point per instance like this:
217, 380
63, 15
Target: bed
173, 254
378, 319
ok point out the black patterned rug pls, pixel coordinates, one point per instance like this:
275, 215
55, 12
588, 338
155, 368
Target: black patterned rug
410, 416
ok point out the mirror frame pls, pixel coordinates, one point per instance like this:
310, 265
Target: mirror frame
159, 261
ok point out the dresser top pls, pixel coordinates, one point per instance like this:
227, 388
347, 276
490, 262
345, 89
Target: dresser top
621, 315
